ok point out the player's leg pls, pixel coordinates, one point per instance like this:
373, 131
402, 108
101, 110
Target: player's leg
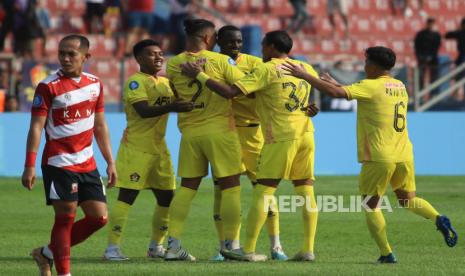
223, 151
374, 179
160, 219
164, 184
403, 182
217, 219
61, 190
178, 212
192, 166
251, 139
302, 175
118, 218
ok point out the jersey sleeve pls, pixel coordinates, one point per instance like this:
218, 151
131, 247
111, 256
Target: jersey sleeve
255, 81
358, 91
230, 70
100, 107
42, 101
134, 91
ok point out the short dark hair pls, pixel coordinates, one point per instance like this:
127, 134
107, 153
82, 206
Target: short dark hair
194, 27
382, 56
228, 28
280, 39
430, 20
83, 41
140, 46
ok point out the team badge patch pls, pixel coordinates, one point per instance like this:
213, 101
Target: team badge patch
231, 61
37, 101
74, 188
133, 85
134, 177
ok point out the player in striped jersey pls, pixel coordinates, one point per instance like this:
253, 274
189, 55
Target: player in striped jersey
69, 105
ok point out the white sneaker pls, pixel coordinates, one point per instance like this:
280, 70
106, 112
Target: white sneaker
239, 255
157, 253
114, 254
178, 255
304, 257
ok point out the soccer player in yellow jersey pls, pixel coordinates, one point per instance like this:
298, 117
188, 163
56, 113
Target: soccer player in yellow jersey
384, 147
143, 160
250, 135
208, 137
288, 151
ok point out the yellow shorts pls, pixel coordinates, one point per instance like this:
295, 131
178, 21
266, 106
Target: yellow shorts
291, 160
222, 150
251, 139
376, 176
139, 170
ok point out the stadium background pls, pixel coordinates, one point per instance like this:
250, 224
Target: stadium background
437, 136
343, 246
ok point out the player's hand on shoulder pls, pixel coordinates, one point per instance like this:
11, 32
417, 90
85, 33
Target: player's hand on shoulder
311, 110
327, 77
191, 69
294, 69
180, 105
29, 177
112, 176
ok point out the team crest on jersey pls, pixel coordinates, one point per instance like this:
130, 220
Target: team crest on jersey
134, 177
133, 85
37, 101
74, 188
231, 61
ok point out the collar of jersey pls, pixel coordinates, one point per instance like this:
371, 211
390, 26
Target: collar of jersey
194, 54
147, 75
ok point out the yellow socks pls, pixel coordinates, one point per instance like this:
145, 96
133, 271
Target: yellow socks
160, 220
230, 212
422, 208
118, 218
261, 200
309, 216
216, 214
377, 226
179, 208
272, 225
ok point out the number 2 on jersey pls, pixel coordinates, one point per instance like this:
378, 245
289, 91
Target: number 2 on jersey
197, 93
399, 117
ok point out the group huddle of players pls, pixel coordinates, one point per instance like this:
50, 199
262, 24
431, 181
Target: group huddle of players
237, 114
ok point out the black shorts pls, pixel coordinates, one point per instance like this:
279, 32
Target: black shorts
66, 185
94, 9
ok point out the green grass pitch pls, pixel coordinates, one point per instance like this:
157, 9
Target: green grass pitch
343, 244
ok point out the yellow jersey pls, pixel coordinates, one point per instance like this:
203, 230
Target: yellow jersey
145, 134
382, 134
245, 110
280, 98
212, 113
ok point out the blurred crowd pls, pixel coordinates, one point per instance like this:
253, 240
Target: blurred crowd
28, 24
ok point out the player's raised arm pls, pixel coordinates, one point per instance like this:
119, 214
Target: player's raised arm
103, 140
33, 141
326, 87
194, 70
146, 111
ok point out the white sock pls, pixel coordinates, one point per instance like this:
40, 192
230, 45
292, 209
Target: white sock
232, 244
154, 244
275, 242
174, 243
112, 246
47, 252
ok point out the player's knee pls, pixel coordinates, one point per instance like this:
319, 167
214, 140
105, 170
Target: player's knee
403, 197
164, 197
371, 201
127, 195
97, 222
